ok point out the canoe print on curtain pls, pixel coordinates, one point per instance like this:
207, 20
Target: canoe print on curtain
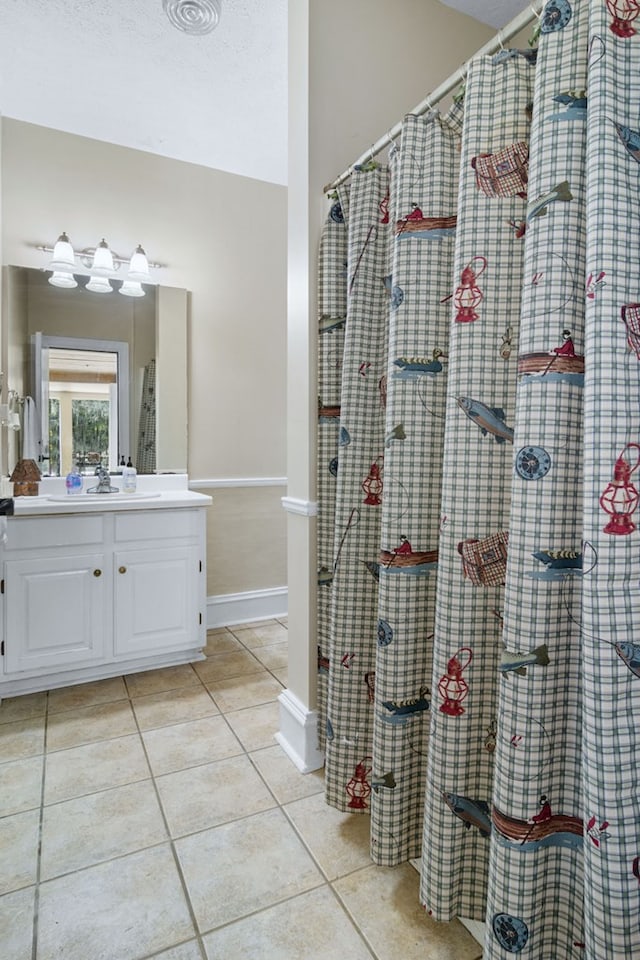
476, 484
359, 486
536, 813
532, 812
424, 232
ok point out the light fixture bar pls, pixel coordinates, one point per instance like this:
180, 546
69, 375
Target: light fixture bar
86, 257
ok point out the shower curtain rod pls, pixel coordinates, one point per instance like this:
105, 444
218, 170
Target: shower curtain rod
492, 46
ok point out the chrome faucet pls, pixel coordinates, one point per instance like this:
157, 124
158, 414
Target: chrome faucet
104, 482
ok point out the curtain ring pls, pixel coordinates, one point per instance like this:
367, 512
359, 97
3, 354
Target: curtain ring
372, 152
534, 11
500, 41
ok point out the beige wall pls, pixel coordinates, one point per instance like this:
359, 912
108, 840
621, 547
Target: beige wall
223, 238
355, 69
244, 539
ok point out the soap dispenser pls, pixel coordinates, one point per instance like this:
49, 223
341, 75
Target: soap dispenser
73, 481
129, 478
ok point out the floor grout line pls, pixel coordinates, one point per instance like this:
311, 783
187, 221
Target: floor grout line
323, 880
174, 852
36, 892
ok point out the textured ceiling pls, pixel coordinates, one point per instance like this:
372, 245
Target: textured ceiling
497, 13
116, 70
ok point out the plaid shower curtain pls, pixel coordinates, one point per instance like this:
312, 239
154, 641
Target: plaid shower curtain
146, 459
484, 575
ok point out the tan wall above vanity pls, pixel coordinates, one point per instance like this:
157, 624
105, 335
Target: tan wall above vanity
223, 238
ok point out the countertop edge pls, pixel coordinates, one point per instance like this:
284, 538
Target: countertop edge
167, 500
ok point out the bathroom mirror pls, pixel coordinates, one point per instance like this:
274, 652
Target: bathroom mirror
107, 374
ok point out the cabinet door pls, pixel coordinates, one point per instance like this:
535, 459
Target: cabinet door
156, 600
55, 612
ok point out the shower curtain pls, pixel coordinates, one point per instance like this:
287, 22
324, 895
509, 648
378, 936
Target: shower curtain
146, 459
479, 563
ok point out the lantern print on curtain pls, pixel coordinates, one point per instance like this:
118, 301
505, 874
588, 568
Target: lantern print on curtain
532, 812
611, 598
537, 841
476, 484
359, 484
424, 230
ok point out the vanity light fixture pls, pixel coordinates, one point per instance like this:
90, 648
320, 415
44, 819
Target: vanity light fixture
139, 267
62, 263
101, 269
138, 274
60, 279
99, 284
130, 288
102, 264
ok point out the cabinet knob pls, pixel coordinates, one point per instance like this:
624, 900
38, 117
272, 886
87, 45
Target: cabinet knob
122, 569
97, 573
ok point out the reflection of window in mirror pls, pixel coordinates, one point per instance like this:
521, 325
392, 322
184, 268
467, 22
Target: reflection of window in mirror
82, 388
155, 329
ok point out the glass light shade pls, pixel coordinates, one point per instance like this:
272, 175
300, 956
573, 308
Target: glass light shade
102, 265
99, 285
139, 267
60, 279
63, 259
131, 289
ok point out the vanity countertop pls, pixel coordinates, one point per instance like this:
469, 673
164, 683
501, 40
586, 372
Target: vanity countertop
162, 492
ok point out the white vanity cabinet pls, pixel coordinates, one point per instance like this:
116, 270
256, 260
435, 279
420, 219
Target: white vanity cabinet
157, 564
100, 594
55, 612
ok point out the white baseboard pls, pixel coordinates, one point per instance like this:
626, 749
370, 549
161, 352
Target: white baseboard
304, 508
298, 735
229, 608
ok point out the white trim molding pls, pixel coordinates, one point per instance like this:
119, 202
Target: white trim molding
298, 734
228, 608
304, 508
217, 482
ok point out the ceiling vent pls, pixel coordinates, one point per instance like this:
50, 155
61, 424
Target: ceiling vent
193, 16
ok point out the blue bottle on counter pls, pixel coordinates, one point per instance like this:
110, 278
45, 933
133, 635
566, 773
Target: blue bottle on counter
73, 481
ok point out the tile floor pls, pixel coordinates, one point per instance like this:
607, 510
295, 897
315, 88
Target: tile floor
153, 815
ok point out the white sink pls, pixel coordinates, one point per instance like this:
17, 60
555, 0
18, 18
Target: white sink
103, 497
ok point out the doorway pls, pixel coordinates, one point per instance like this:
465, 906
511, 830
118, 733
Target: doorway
83, 398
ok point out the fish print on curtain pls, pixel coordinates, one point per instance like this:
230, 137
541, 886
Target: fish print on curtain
537, 840
359, 486
332, 316
424, 229
611, 594
476, 483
